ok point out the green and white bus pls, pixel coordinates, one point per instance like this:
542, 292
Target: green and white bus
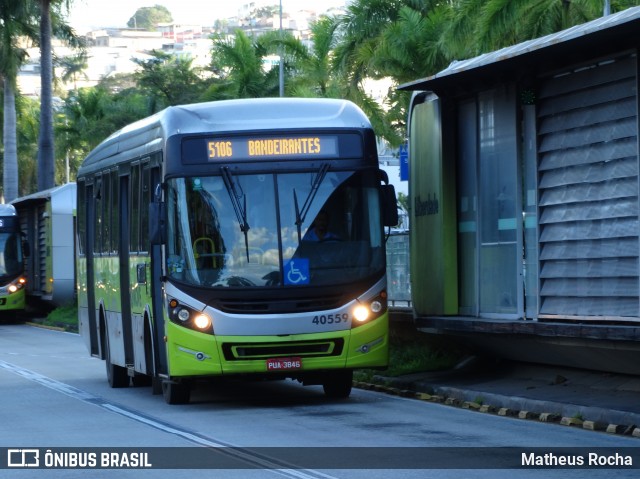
12, 277
196, 256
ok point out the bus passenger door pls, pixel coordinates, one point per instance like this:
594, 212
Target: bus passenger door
123, 267
90, 277
155, 287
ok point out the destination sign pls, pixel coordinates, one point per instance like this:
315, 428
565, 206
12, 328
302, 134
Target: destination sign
276, 147
285, 146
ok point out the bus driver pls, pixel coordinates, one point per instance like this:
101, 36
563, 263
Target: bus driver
318, 231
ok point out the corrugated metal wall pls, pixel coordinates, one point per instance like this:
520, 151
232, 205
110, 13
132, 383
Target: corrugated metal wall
588, 191
42, 219
33, 222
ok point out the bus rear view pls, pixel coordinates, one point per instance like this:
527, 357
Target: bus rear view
265, 248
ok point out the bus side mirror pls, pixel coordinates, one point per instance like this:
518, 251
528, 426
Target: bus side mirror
157, 226
389, 205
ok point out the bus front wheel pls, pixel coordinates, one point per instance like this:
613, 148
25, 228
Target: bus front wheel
337, 385
175, 393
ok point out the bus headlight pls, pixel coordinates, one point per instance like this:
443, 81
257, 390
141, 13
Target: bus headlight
183, 314
361, 313
202, 321
16, 285
189, 317
376, 306
368, 311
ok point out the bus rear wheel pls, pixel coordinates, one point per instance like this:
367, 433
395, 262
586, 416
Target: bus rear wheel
175, 392
117, 376
337, 385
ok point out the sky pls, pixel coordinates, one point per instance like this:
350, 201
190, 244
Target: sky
88, 14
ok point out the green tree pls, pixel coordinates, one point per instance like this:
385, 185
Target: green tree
398, 39
411, 46
238, 64
405, 40
315, 71
168, 80
480, 26
83, 123
359, 33
148, 18
50, 20
18, 21
28, 129
89, 115
408, 48
74, 66
46, 140
294, 55
356, 57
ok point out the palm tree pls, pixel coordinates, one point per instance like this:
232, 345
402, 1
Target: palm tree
358, 54
50, 20
409, 39
411, 46
494, 24
359, 33
17, 20
74, 66
28, 125
10, 167
89, 115
168, 80
316, 77
45, 139
239, 64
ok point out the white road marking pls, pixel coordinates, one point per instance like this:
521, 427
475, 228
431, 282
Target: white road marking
237, 452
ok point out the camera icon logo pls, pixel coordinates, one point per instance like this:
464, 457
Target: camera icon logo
23, 458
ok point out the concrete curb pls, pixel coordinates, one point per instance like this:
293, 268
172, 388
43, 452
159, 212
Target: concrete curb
570, 415
45, 326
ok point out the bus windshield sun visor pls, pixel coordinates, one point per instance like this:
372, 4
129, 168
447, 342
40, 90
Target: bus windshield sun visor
239, 202
302, 214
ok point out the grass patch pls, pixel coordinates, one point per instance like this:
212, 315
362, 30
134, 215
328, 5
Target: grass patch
411, 351
65, 317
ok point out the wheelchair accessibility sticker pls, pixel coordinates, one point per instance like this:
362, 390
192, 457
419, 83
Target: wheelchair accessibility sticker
296, 271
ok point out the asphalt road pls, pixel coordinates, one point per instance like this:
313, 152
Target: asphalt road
54, 396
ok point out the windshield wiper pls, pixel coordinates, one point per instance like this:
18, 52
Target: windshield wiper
302, 214
239, 202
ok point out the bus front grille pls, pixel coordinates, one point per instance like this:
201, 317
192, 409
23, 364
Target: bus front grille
304, 349
282, 306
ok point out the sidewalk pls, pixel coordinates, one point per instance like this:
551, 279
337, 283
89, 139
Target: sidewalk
589, 399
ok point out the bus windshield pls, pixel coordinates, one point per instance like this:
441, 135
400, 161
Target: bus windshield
10, 254
274, 230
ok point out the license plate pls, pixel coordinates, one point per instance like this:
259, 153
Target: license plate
284, 364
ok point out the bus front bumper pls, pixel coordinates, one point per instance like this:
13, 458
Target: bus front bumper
192, 353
